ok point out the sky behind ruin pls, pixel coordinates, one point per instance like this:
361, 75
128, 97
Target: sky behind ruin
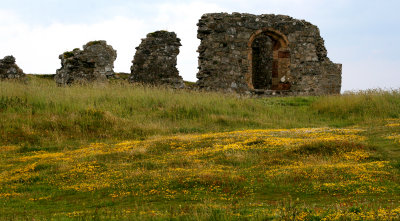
361, 34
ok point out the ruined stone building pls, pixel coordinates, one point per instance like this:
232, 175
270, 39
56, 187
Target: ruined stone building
261, 54
265, 54
94, 63
10, 70
155, 60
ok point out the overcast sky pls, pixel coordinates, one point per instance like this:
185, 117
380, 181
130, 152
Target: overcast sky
363, 35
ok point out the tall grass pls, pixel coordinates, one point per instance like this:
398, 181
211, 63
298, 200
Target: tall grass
369, 104
41, 113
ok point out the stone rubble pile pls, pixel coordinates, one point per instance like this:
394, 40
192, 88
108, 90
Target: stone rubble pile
10, 70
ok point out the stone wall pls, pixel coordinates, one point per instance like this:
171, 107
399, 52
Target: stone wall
10, 70
94, 63
155, 60
250, 53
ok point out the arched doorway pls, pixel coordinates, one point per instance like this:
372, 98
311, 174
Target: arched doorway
263, 59
269, 59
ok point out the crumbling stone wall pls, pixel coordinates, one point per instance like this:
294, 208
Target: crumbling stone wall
10, 70
261, 53
155, 60
94, 63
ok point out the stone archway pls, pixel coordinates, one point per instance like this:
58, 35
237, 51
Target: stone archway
269, 59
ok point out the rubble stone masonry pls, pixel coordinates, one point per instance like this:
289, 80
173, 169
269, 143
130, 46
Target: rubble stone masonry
263, 53
10, 70
155, 60
94, 63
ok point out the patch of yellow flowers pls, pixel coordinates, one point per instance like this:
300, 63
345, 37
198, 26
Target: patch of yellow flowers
190, 160
394, 122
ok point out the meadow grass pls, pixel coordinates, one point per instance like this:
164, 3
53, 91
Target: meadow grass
43, 114
130, 152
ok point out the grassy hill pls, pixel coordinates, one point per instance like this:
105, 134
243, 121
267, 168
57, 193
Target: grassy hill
123, 152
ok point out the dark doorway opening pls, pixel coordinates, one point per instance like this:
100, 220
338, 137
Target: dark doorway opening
269, 59
263, 62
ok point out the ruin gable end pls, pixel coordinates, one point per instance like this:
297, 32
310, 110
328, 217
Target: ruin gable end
263, 53
155, 60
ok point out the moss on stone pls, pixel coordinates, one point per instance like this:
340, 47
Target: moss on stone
91, 43
68, 54
158, 33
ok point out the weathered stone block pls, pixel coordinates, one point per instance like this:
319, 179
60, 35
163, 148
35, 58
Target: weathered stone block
10, 70
94, 63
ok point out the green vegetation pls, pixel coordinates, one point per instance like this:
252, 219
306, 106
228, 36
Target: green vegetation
123, 152
158, 33
91, 43
68, 54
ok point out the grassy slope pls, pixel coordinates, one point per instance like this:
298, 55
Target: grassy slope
149, 163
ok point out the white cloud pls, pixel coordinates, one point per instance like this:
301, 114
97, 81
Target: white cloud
36, 48
7, 17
